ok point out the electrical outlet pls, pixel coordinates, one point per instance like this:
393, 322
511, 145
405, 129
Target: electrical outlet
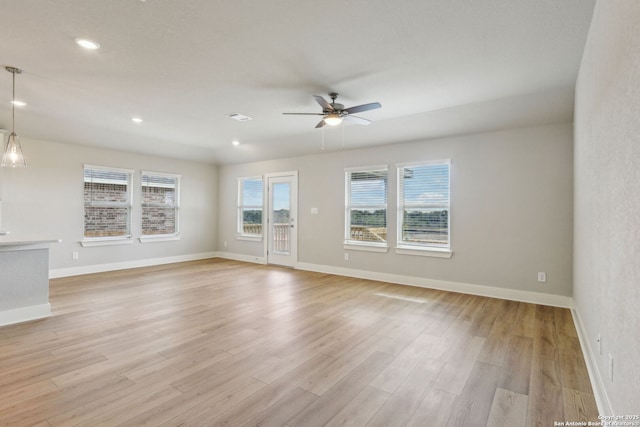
75, 255
599, 344
610, 367
225, 243
346, 256
542, 276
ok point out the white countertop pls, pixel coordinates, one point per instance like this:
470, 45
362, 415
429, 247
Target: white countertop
24, 240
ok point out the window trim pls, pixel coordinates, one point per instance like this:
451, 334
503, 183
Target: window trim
366, 247
404, 248
349, 243
89, 242
110, 240
424, 251
149, 238
240, 235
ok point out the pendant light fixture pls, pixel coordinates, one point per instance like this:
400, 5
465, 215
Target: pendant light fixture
13, 156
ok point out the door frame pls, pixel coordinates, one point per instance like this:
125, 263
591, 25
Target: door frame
293, 212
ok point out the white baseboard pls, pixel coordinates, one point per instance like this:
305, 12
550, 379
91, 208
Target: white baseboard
24, 314
465, 288
99, 268
241, 257
599, 392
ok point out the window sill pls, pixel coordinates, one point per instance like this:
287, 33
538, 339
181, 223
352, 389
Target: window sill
107, 241
424, 251
367, 247
159, 238
249, 238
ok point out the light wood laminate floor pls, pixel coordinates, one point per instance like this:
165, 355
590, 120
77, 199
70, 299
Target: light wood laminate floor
219, 342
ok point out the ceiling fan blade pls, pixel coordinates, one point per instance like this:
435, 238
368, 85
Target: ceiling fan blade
364, 107
305, 114
356, 119
323, 103
319, 125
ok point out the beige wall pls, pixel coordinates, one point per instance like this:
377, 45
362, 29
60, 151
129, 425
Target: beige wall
46, 200
511, 214
607, 199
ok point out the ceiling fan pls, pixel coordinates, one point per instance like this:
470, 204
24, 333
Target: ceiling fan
334, 113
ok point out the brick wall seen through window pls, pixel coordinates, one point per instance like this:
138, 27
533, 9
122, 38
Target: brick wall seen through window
159, 203
107, 202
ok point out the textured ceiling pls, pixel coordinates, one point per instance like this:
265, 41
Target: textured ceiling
445, 67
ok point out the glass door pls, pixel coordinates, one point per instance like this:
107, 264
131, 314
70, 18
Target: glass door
282, 226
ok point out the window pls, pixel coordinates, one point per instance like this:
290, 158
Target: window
160, 203
366, 206
250, 202
107, 202
423, 206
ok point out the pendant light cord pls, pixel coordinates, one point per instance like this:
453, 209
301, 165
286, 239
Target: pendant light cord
14, 71
13, 105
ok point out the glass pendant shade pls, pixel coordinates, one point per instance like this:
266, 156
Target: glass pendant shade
13, 156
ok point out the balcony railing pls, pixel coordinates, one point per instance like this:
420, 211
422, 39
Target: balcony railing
252, 228
368, 234
281, 238
429, 236
281, 234
358, 233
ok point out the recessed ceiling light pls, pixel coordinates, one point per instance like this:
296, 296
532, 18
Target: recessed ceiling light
235, 142
19, 103
87, 44
136, 119
238, 117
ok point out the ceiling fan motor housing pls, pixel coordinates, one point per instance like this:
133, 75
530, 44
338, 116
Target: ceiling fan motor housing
336, 107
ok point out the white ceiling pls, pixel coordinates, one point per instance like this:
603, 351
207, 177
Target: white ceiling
439, 67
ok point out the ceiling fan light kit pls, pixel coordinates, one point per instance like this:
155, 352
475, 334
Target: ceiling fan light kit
333, 119
334, 113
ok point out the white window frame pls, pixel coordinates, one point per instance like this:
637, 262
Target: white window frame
240, 234
146, 238
421, 249
359, 244
111, 240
